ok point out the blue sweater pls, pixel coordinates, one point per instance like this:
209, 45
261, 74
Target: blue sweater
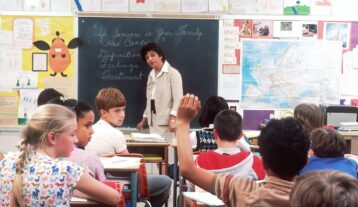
340, 164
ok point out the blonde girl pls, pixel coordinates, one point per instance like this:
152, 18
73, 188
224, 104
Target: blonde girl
37, 176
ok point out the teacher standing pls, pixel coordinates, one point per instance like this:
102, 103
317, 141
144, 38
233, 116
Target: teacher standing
163, 92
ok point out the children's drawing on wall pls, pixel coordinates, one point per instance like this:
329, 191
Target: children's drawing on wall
296, 7
287, 29
262, 29
286, 26
26, 80
59, 54
245, 26
27, 104
338, 32
309, 30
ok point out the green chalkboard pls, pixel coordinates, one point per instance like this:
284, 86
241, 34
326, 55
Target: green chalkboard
109, 57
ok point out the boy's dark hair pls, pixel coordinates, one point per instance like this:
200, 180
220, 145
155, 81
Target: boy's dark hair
309, 115
108, 98
228, 125
79, 107
327, 143
324, 188
151, 46
284, 146
46, 95
213, 105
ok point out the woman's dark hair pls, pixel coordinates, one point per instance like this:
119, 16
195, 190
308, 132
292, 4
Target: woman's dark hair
151, 46
213, 105
79, 107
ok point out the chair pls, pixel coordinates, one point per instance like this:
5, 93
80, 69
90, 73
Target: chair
142, 184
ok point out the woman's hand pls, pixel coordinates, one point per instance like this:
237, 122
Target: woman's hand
141, 124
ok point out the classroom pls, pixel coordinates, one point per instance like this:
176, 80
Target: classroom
263, 57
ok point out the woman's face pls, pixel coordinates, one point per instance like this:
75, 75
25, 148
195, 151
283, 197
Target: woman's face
84, 128
154, 60
64, 141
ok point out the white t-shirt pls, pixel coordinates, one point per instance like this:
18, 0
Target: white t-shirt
106, 139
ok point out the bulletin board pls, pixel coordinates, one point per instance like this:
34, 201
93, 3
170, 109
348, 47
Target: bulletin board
28, 69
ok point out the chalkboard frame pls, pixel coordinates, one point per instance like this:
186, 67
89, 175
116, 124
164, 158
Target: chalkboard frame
204, 84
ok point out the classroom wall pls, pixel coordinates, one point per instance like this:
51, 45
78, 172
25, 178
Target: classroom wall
233, 17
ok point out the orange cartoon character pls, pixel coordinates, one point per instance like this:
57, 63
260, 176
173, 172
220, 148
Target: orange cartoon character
59, 53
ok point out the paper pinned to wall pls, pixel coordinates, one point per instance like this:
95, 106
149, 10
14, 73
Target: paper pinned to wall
115, 5
230, 86
61, 6
8, 108
28, 102
218, 5
194, 5
23, 32
6, 39
168, 6
36, 5
142, 6
26, 80
10, 5
44, 26
91, 5
321, 7
10, 63
64, 85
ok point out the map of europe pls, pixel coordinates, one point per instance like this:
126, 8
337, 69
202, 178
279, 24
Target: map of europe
279, 74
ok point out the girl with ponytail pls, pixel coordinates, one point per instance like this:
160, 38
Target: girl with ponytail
37, 175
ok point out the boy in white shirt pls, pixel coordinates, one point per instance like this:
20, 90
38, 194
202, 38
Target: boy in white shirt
106, 139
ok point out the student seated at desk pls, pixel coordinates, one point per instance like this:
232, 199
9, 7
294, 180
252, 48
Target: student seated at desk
200, 138
106, 139
36, 176
228, 158
283, 145
85, 119
327, 153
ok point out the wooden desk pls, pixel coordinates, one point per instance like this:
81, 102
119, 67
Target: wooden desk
83, 202
351, 138
131, 170
176, 202
153, 152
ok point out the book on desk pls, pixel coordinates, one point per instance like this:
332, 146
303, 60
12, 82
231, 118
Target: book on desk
142, 137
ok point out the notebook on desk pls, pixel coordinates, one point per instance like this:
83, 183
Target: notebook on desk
141, 137
205, 198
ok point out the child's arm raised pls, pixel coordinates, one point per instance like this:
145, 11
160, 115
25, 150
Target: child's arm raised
97, 190
189, 106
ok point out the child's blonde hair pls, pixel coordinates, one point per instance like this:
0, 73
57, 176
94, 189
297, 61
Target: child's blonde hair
324, 188
47, 118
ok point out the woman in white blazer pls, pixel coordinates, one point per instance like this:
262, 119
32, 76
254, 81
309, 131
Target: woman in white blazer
164, 90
